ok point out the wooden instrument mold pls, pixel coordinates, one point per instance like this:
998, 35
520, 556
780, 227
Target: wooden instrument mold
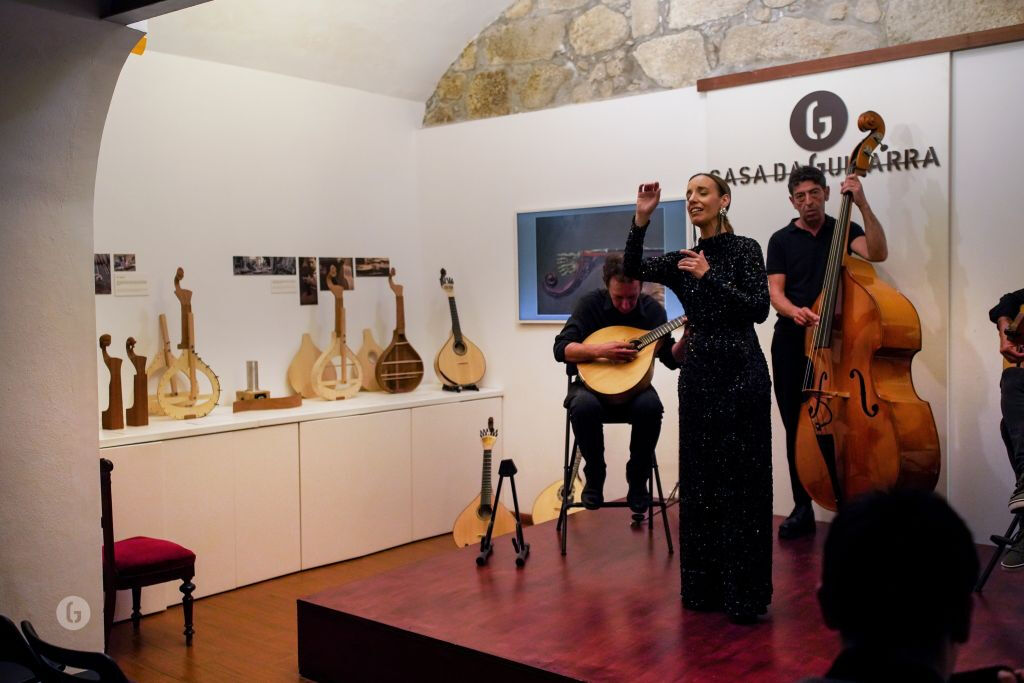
254, 398
346, 378
182, 405
300, 371
459, 364
619, 381
113, 416
162, 360
138, 414
863, 427
399, 368
549, 503
368, 355
471, 524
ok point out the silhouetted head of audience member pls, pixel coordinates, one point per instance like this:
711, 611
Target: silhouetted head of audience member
897, 577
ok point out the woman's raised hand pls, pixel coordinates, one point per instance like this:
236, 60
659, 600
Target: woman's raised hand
647, 197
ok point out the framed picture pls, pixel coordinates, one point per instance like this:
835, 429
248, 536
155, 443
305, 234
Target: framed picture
562, 252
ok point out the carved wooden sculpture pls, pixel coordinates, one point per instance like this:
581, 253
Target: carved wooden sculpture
113, 416
138, 414
349, 376
187, 404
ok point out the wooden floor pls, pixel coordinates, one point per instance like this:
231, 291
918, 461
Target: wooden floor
250, 633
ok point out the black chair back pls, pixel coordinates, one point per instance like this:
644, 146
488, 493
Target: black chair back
54, 657
107, 523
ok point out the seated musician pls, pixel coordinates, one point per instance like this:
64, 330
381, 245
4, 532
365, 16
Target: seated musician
1011, 389
620, 303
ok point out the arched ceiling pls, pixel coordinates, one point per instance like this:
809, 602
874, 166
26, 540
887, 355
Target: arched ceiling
391, 47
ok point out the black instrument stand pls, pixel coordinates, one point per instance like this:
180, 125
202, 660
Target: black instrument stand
458, 388
507, 468
1012, 535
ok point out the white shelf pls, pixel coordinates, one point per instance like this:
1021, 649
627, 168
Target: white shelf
223, 420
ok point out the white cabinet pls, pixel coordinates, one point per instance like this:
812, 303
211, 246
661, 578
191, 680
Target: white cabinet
355, 485
447, 462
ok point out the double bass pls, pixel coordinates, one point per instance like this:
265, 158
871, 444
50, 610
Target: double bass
862, 426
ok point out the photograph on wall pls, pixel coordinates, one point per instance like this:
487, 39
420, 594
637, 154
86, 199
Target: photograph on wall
101, 271
345, 271
373, 267
263, 265
124, 262
307, 281
282, 265
562, 254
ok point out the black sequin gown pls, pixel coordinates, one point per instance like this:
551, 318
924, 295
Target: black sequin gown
725, 453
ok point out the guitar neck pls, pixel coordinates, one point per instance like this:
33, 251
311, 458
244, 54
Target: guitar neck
485, 480
659, 332
456, 328
400, 314
836, 260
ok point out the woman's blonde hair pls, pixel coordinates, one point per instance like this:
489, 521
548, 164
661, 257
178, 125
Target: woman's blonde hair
723, 189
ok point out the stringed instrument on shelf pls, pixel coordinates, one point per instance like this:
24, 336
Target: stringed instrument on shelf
193, 402
368, 355
619, 381
548, 504
459, 363
1015, 333
300, 370
162, 359
347, 377
399, 367
862, 426
471, 524
113, 416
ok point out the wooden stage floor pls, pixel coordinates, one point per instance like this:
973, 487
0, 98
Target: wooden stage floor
608, 611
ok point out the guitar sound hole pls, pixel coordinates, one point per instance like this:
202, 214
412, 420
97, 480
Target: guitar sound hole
484, 512
459, 348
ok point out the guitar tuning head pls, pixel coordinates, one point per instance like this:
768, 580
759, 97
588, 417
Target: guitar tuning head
104, 341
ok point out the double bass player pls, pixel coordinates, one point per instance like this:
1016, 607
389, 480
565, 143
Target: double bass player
796, 262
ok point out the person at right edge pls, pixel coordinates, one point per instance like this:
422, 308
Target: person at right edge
796, 261
1011, 390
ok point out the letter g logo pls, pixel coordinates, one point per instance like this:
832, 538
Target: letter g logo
818, 121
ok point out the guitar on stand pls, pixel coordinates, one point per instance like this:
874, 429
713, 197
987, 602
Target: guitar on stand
192, 403
399, 367
471, 524
549, 503
459, 364
346, 376
618, 381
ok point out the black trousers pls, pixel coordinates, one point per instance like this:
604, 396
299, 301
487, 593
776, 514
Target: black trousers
789, 364
1011, 389
588, 414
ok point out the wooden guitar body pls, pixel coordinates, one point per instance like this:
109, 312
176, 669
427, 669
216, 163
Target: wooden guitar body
301, 368
617, 382
460, 364
889, 330
471, 524
344, 366
191, 403
399, 368
368, 355
549, 503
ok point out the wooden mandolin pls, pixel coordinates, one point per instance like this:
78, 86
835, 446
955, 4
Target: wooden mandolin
399, 367
345, 377
549, 502
618, 381
182, 405
459, 363
368, 355
471, 524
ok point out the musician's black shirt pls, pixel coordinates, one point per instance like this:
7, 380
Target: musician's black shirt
802, 258
1008, 306
595, 310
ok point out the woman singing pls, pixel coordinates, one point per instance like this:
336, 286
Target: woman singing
725, 454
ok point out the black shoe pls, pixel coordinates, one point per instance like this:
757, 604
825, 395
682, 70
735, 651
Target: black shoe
799, 523
637, 497
1017, 499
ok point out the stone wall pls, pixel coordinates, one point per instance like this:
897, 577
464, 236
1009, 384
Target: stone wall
546, 53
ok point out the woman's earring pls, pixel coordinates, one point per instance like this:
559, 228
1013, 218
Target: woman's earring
721, 212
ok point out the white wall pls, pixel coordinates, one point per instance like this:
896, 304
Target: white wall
58, 72
202, 161
474, 178
988, 96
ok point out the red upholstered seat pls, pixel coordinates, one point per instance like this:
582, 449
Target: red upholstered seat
141, 554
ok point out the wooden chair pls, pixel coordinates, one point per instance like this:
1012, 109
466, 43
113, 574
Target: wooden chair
55, 659
140, 561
